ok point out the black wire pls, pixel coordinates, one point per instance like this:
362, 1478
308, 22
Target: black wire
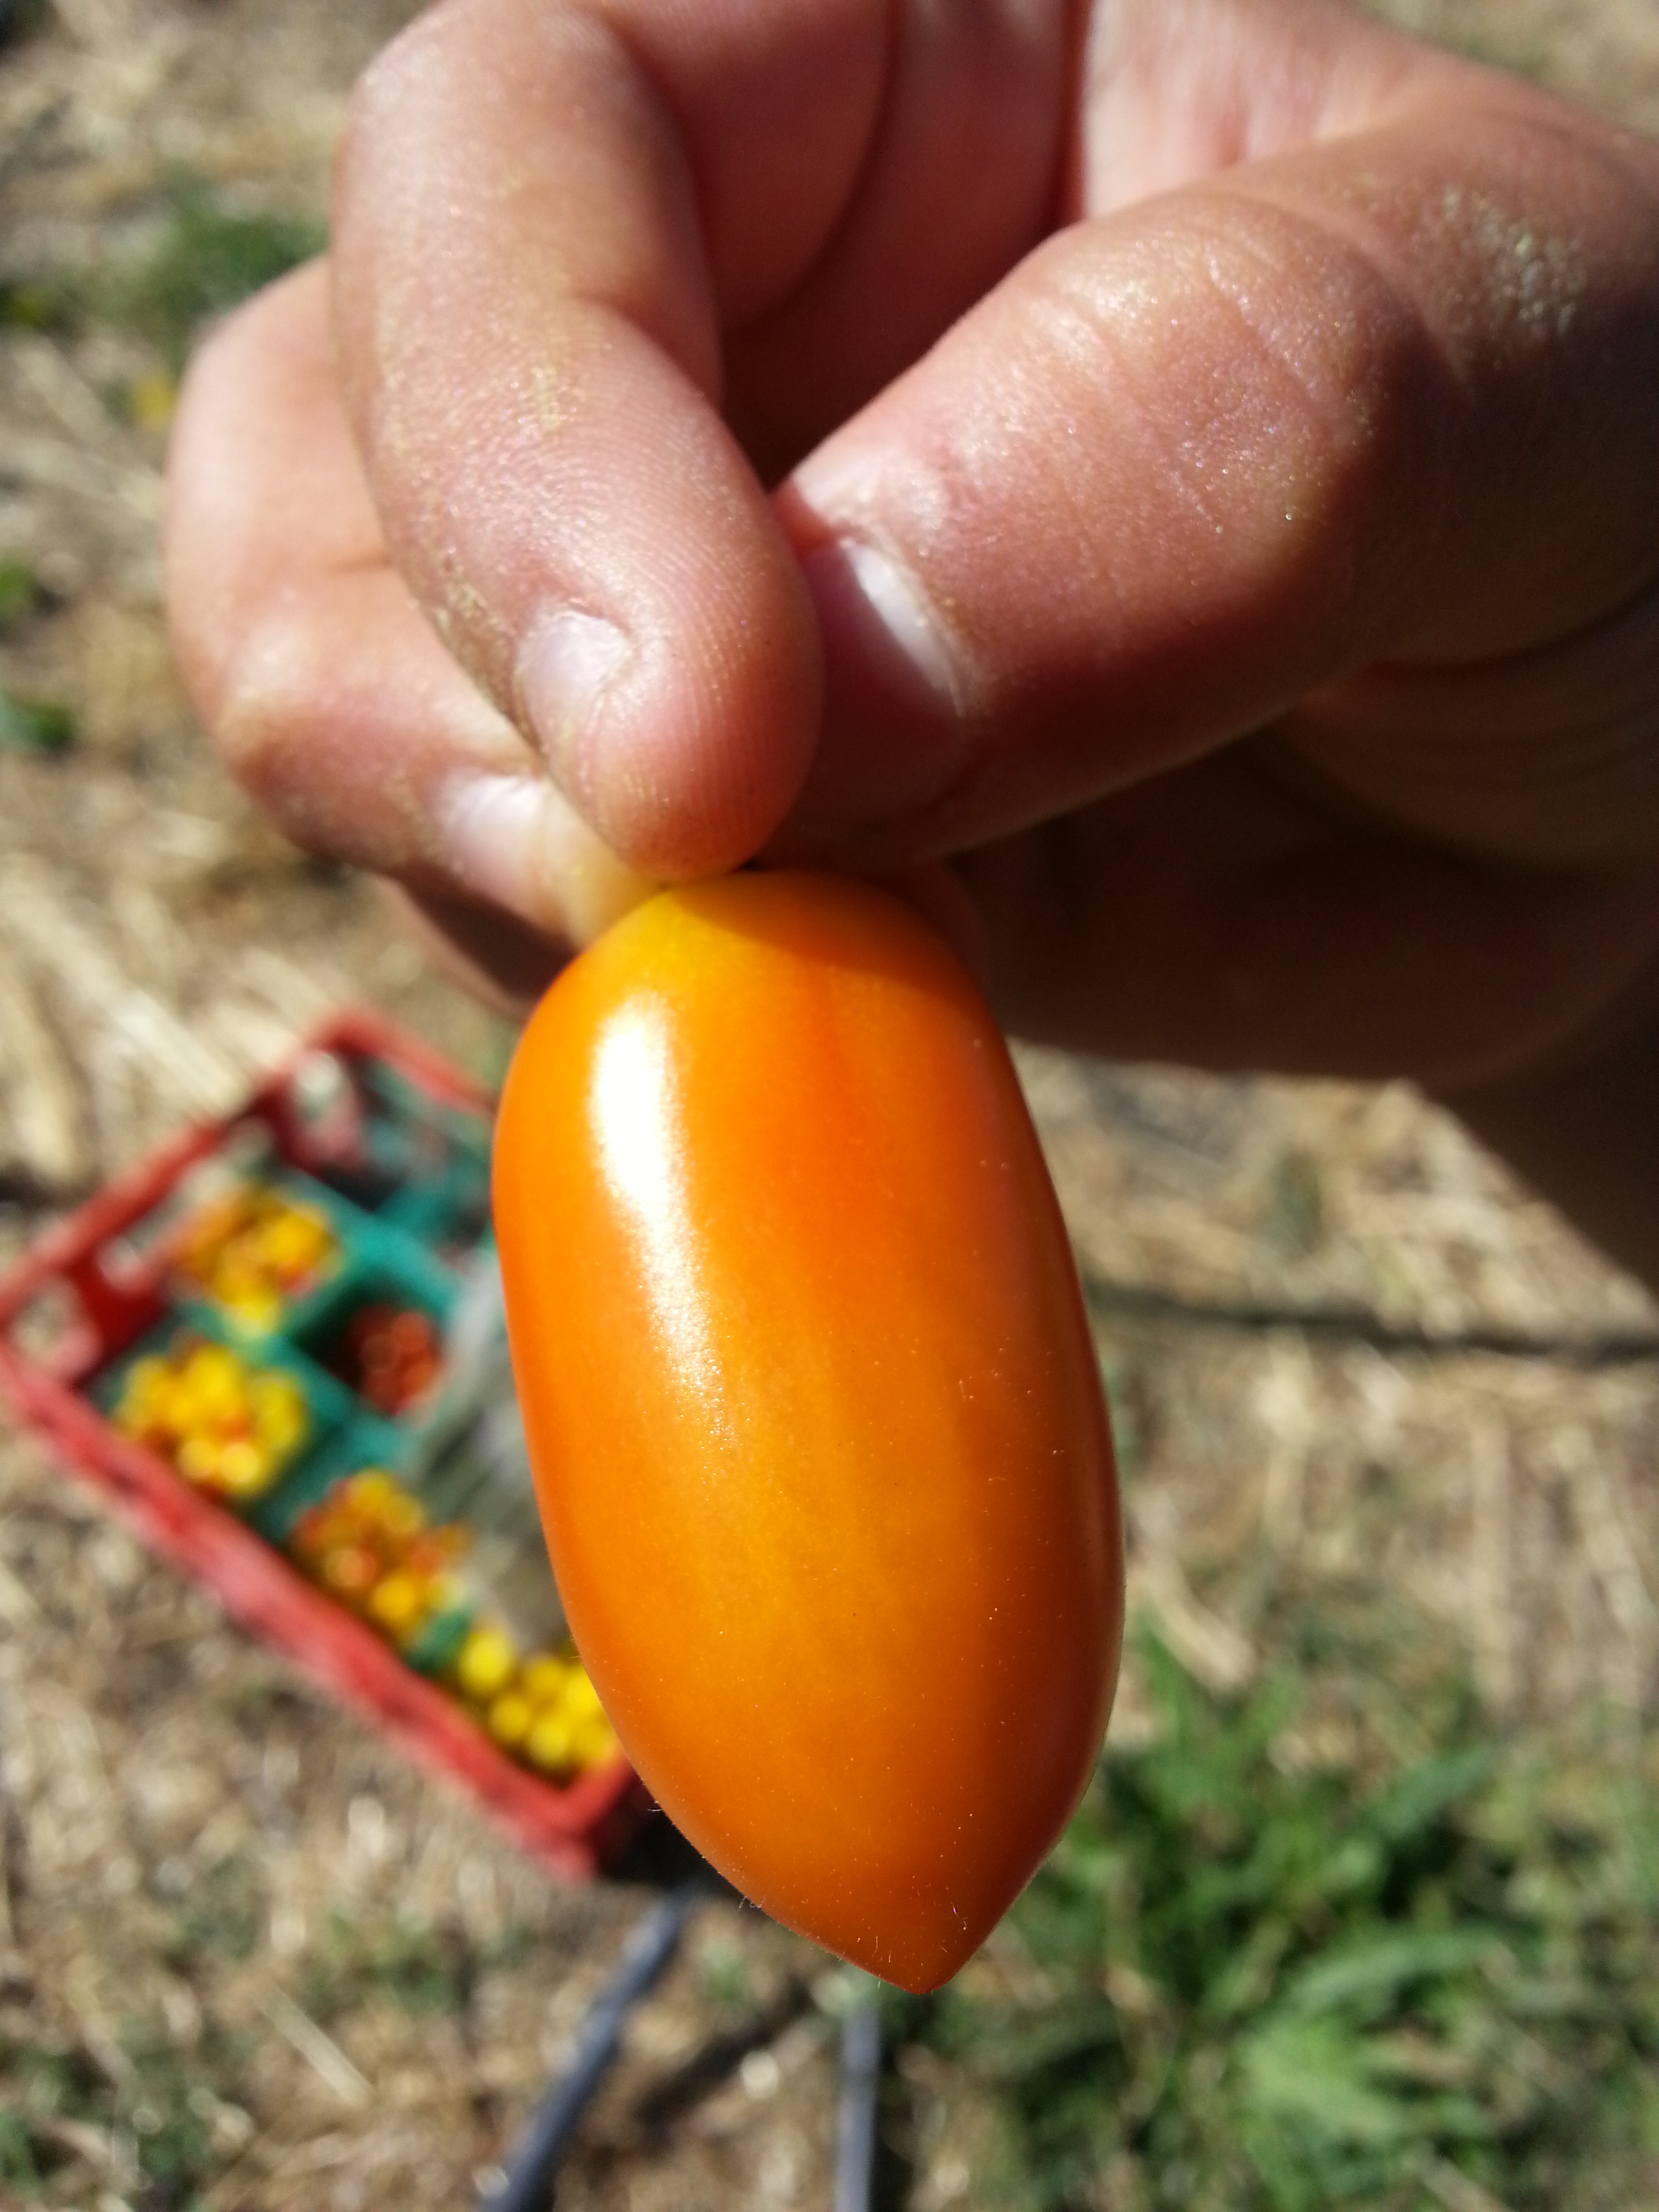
855, 2128
1133, 1302
651, 1942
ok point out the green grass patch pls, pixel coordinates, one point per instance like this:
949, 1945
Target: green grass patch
34, 726
1253, 1988
163, 2106
45, 303
206, 259
220, 1915
18, 2166
197, 259
19, 592
414, 1965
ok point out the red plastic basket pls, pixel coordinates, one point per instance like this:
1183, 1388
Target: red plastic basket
89, 1291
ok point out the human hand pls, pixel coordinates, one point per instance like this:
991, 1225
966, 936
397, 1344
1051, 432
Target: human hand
1211, 552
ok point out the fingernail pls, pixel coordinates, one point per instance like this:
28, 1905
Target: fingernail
896, 735
515, 842
567, 663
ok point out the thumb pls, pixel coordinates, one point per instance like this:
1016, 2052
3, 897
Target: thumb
1391, 398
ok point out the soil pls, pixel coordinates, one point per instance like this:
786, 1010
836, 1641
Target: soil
1346, 1349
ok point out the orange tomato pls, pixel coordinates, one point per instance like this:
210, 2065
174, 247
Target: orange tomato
813, 1408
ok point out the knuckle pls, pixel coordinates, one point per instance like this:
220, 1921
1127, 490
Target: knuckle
266, 707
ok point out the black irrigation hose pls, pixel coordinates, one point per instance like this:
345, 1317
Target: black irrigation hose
1132, 1302
855, 2128
651, 1943
534, 2161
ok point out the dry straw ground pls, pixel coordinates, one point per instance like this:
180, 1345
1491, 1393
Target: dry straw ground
212, 1882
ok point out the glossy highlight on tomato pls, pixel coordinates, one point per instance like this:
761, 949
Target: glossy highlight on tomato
813, 1408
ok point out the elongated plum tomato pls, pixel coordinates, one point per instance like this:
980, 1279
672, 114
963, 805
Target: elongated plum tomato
813, 1409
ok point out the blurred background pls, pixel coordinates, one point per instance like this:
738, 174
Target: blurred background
1363, 1906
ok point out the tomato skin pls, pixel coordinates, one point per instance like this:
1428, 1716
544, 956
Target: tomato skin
813, 1408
